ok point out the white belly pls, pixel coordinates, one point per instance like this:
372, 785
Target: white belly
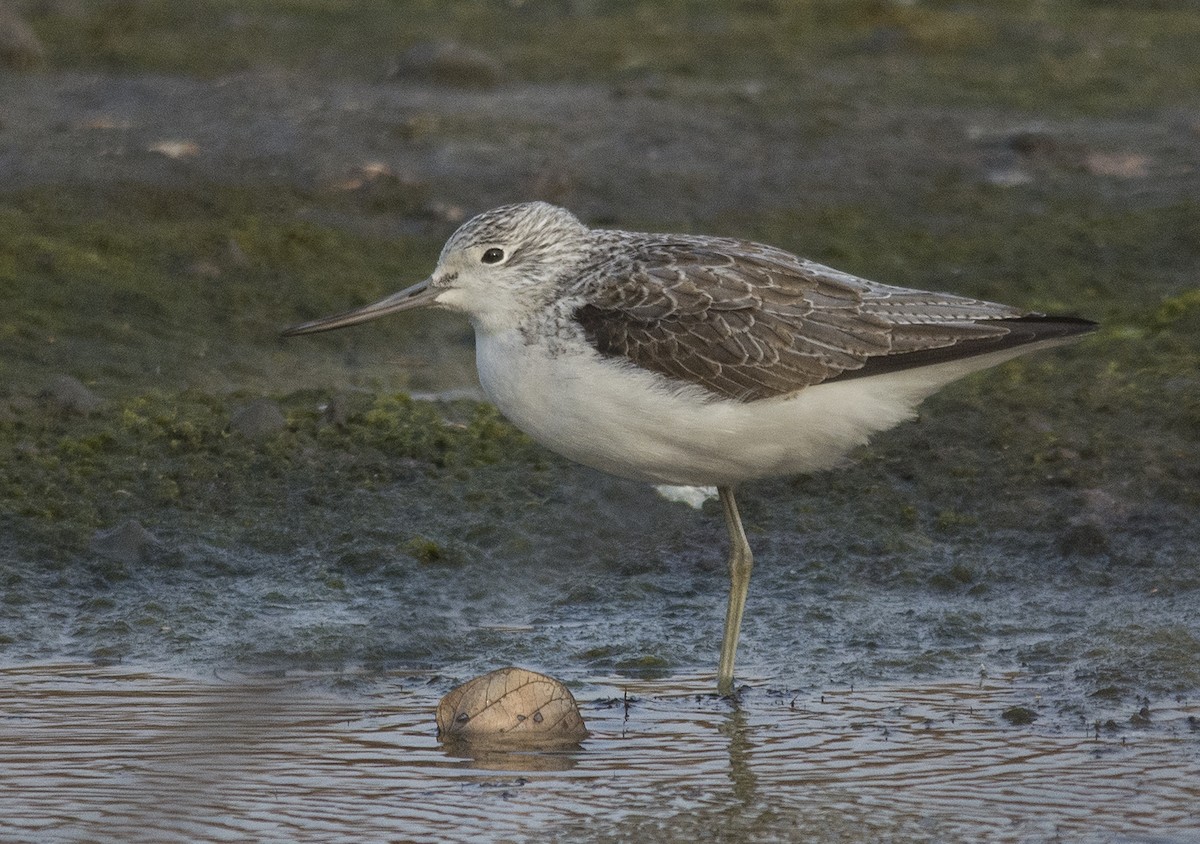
636, 424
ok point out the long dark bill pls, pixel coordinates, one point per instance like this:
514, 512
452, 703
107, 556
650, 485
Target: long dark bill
419, 295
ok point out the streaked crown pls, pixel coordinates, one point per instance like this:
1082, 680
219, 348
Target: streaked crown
528, 233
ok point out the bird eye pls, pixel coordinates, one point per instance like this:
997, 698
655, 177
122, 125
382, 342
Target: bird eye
493, 256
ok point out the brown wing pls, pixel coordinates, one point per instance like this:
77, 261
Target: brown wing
749, 322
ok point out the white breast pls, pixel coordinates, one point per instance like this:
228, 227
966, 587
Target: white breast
634, 423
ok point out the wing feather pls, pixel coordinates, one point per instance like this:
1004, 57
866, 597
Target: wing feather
746, 321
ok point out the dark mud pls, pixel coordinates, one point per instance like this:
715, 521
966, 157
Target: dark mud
176, 186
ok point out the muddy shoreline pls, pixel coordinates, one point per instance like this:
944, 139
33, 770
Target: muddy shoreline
174, 189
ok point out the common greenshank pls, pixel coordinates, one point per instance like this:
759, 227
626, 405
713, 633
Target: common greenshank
704, 361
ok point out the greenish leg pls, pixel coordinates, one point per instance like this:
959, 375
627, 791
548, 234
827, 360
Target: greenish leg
740, 564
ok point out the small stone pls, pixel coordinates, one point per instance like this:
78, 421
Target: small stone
128, 543
511, 705
69, 395
20, 48
448, 63
1019, 716
257, 420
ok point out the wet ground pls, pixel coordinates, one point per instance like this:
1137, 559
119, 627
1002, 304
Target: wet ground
237, 573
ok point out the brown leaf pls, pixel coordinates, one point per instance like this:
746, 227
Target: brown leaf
511, 704
1119, 165
178, 150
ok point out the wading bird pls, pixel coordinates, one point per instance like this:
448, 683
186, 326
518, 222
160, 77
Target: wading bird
706, 361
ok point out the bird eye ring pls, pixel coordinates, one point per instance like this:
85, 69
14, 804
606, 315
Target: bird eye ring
493, 256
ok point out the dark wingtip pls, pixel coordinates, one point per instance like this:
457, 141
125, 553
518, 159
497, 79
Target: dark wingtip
1022, 331
1048, 326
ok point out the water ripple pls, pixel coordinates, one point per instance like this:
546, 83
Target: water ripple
118, 754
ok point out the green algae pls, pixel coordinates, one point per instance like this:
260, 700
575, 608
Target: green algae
157, 457
135, 285
161, 445
167, 302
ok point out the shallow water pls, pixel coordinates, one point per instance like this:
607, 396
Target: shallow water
116, 753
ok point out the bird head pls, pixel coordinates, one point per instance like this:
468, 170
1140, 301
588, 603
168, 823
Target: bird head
495, 268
